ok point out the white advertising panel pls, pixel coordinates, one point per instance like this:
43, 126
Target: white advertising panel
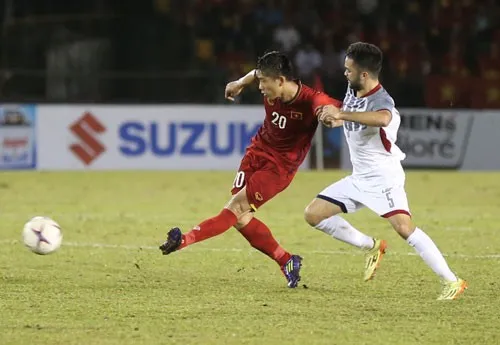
145, 137
449, 139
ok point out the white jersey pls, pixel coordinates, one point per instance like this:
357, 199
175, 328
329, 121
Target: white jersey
373, 150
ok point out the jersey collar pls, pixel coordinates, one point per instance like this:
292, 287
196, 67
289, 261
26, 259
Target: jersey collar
297, 94
372, 91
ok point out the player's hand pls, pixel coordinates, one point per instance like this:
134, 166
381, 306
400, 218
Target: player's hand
330, 116
330, 123
328, 111
233, 89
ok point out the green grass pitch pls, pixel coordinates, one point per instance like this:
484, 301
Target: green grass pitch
109, 284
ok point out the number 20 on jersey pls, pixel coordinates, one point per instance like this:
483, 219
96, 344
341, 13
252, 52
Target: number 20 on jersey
278, 120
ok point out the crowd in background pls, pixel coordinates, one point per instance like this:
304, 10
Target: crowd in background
437, 52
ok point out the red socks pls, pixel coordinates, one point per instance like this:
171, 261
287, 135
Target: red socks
260, 237
256, 232
210, 228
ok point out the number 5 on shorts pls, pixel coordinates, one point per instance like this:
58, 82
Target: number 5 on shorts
239, 180
389, 198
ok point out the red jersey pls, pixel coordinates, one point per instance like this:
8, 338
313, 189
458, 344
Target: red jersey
289, 128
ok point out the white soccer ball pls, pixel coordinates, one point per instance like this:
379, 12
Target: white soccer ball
42, 235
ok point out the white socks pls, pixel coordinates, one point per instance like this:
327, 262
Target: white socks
431, 255
339, 228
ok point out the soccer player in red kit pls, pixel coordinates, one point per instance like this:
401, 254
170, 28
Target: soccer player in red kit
270, 162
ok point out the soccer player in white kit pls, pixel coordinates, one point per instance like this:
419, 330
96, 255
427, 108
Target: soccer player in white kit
371, 123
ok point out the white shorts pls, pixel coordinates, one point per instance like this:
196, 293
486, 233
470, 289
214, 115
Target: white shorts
351, 195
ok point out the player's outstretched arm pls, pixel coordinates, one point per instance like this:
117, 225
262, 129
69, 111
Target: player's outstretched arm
234, 88
380, 118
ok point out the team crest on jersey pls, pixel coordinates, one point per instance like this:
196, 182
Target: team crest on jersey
295, 115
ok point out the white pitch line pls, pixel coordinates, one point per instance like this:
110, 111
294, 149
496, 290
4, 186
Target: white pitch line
206, 249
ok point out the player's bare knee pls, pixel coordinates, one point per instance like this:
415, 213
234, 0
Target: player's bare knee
243, 220
236, 208
404, 229
239, 204
312, 215
319, 210
402, 224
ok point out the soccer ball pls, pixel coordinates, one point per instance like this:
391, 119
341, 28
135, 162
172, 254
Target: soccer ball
42, 235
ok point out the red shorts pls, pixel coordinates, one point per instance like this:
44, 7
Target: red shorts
262, 176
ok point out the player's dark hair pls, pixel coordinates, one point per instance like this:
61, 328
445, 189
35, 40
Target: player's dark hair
367, 56
275, 64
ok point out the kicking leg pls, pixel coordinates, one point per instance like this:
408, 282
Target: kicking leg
211, 227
